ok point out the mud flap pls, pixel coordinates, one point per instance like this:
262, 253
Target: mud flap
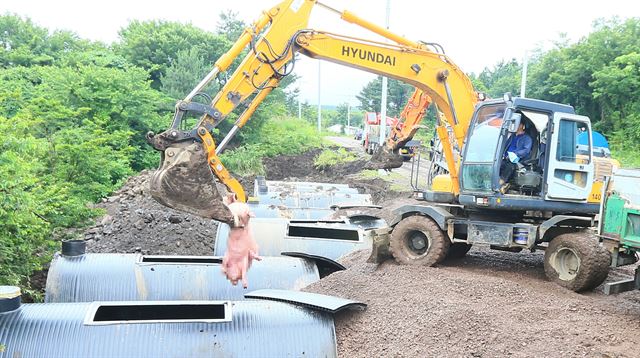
380, 246
185, 182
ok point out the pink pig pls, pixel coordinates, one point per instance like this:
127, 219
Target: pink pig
241, 248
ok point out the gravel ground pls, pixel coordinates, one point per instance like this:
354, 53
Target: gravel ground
485, 305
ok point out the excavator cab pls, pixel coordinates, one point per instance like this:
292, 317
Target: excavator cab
553, 176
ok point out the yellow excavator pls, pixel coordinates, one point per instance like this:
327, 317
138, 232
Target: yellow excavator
386, 157
553, 196
190, 155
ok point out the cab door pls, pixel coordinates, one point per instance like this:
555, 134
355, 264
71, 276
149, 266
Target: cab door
569, 175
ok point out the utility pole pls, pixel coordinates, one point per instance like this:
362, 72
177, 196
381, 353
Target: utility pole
319, 102
383, 100
348, 115
523, 82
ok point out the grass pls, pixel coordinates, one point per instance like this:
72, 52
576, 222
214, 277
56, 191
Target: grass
278, 136
372, 174
244, 161
331, 156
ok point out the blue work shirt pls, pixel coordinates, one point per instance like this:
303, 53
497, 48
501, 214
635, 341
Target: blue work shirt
521, 145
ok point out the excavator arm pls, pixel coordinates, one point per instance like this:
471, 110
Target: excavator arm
271, 56
410, 117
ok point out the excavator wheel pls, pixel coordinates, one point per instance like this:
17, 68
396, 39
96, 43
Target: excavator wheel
384, 159
576, 261
417, 240
185, 182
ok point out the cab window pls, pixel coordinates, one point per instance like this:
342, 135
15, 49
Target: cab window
568, 142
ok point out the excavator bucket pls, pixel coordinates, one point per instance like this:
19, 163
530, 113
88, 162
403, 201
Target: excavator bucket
185, 182
384, 159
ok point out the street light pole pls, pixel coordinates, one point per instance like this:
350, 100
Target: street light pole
319, 102
383, 100
523, 82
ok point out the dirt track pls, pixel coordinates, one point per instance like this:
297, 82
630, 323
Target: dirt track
489, 304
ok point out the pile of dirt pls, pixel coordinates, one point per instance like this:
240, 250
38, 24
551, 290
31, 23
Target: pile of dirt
301, 167
135, 222
488, 304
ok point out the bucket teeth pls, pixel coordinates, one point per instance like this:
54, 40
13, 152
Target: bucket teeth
185, 182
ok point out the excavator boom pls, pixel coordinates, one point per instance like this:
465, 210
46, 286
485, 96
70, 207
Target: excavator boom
273, 41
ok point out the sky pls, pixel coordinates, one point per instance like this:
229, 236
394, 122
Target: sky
474, 35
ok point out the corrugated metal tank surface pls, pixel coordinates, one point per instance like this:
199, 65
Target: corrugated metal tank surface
321, 199
124, 277
275, 211
283, 186
273, 239
256, 329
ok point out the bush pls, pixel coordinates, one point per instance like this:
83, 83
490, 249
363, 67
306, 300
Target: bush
284, 136
331, 156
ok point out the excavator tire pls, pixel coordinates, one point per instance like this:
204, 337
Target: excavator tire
458, 250
576, 261
417, 240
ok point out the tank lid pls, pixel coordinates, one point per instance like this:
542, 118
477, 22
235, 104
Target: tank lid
74, 247
9, 292
9, 298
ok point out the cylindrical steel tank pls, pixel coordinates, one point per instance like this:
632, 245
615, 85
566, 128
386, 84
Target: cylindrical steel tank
275, 211
329, 239
133, 277
250, 328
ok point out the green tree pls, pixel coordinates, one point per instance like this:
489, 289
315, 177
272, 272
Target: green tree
154, 45
230, 25
500, 79
397, 97
185, 73
22, 43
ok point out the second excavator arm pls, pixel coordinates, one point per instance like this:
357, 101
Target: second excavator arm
273, 42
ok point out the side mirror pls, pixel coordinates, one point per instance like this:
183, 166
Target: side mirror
514, 122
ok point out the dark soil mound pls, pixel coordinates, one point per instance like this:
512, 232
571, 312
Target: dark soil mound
136, 222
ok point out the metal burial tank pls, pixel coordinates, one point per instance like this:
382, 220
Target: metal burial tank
135, 277
330, 239
297, 195
249, 328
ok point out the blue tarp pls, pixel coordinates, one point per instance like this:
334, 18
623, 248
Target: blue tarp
598, 139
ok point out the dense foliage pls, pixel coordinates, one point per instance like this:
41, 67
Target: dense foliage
74, 114
599, 75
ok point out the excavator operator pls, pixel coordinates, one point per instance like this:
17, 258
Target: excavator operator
518, 149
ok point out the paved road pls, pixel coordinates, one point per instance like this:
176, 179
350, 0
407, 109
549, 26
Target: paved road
404, 170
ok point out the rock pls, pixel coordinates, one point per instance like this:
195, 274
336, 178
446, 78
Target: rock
107, 219
148, 218
139, 224
113, 199
175, 219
